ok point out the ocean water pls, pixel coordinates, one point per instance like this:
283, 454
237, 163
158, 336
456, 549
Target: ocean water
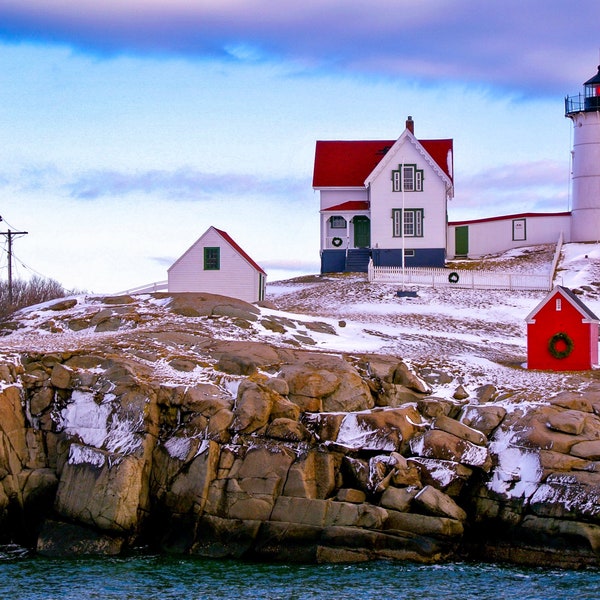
154, 577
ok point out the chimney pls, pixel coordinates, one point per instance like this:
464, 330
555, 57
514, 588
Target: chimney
410, 124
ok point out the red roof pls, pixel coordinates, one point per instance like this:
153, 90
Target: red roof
229, 239
351, 205
348, 164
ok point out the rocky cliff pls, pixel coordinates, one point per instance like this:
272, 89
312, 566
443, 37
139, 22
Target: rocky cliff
166, 422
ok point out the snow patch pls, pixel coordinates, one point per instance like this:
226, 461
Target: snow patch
354, 435
84, 455
519, 470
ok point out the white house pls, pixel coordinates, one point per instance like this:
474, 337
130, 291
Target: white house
217, 265
384, 200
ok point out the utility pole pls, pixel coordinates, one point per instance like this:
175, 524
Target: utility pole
10, 235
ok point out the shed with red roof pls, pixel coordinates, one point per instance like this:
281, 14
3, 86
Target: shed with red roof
216, 264
383, 200
562, 333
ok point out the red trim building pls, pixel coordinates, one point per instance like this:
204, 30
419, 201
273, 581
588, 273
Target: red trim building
562, 333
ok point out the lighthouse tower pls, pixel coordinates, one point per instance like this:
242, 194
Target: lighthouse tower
584, 111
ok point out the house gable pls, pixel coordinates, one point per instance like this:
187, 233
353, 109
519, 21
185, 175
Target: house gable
227, 239
587, 316
444, 172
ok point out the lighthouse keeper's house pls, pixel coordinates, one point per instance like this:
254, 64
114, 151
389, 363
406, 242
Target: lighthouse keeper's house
385, 200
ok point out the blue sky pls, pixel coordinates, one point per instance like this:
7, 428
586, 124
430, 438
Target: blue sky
128, 127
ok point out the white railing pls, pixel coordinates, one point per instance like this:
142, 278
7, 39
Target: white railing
460, 278
559, 245
149, 288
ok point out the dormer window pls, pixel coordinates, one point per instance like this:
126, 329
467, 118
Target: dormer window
407, 178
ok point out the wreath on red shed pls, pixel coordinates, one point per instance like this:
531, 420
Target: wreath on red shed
560, 345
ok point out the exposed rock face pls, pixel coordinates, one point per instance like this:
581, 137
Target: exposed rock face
286, 454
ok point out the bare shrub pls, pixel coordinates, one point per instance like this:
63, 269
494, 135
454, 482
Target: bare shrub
26, 293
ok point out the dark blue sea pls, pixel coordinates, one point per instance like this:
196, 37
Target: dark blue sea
154, 577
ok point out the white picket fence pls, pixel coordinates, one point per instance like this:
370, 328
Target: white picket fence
460, 278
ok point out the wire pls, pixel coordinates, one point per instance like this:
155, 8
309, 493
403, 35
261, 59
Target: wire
28, 268
3, 220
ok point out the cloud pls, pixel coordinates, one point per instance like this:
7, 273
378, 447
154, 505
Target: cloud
534, 47
185, 184
540, 186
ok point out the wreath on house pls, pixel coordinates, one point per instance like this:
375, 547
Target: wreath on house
560, 345
336, 241
453, 277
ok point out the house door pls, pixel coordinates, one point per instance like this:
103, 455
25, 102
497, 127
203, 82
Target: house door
461, 240
362, 232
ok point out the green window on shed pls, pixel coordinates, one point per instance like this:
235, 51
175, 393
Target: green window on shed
212, 259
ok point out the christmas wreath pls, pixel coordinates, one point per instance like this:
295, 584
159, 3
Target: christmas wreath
453, 277
560, 345
336, 241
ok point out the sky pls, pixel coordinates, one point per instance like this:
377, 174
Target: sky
129, 127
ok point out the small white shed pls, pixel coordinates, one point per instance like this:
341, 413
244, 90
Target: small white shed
217, 265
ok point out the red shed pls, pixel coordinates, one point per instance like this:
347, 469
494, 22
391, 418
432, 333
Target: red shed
562, 333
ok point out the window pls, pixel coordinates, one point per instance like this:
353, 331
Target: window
337, 222
410, 226
558, 304
407, 178
409, 253
212, 259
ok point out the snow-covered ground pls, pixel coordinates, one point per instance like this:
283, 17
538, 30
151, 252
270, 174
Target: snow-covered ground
479, 333
476, 336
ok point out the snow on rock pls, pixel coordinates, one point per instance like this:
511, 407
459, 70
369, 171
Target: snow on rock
79, 455
518, 471
355, 434
97, 424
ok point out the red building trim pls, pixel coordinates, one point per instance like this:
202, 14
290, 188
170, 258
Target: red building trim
508, 217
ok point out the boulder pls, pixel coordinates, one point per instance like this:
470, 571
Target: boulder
446, 446
588, 450
386, 430
287, 430
58, 539
398, 499
567, 421
485, 418
101, 489
459, 429
402, 375
445, 475
252, 408
331, 381
438, 504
